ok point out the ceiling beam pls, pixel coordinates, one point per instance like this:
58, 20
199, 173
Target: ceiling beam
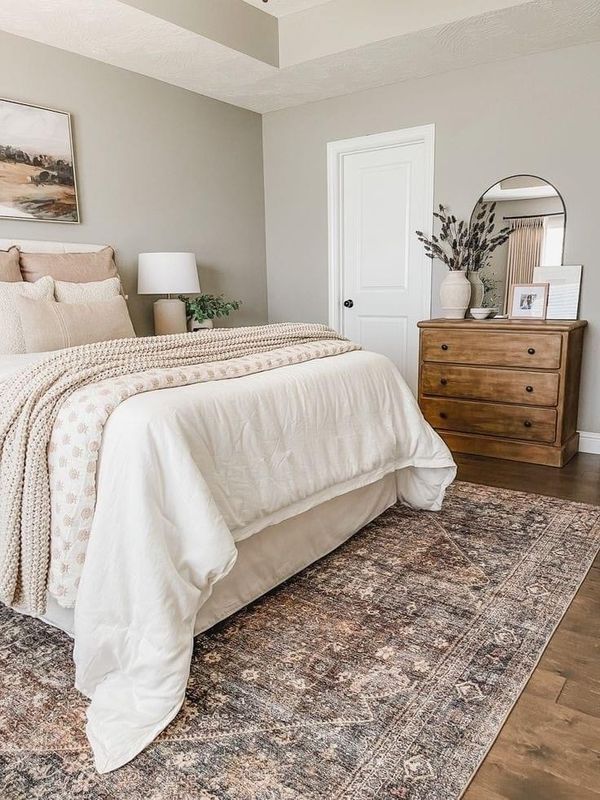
232, 23
317, 32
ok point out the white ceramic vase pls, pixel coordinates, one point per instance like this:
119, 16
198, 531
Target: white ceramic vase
455, 294
477, 290
193, 325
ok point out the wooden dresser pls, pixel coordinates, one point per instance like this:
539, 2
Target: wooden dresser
503, 388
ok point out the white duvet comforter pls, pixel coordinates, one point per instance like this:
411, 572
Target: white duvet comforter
183, 474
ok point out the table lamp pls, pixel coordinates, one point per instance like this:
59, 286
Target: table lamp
168, 273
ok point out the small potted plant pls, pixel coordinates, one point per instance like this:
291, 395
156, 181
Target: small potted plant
203, 309
462, 247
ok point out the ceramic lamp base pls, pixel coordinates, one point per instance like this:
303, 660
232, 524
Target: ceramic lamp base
169, 317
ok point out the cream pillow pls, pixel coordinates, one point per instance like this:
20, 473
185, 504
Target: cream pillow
12, 339
9, 265
48, 325
74, 267
93, 292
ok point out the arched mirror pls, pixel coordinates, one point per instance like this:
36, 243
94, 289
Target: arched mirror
534, 212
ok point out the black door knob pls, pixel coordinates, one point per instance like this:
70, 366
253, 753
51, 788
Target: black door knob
529, 389
531, 351
348, 303
444, 347
527, 423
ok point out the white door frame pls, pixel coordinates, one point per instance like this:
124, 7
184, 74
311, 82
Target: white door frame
336, 152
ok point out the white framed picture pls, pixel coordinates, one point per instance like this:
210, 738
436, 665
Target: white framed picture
565, 286
37, 165
528, 301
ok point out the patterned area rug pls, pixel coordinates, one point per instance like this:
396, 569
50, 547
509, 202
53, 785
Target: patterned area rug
383, 671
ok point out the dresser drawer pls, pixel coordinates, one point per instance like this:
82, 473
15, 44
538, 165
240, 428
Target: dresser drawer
535, 350
501, 385
495, 419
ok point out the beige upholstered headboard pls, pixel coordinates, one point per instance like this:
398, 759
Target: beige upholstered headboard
33, 246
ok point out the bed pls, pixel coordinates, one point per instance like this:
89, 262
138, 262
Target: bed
206, 495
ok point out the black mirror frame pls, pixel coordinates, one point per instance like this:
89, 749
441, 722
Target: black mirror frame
537, 177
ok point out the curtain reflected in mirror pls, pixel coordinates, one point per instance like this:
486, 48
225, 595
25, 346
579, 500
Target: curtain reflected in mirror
535, 212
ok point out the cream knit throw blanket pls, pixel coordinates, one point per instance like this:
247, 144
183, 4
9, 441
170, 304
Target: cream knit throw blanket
30, 402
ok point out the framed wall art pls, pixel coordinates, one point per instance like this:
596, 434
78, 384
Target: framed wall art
37, 164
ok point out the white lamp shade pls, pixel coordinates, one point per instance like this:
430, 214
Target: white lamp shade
168, 273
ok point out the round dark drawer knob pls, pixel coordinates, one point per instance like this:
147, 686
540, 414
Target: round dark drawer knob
527, 423
529, 389
444, 347
531, 351
443, 381
443, 415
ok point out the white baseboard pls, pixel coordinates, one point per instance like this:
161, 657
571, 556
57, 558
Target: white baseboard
589, 442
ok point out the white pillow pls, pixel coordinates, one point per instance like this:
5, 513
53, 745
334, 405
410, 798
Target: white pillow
12, 339
91, 292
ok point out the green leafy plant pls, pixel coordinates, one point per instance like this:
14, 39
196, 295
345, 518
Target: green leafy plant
461, 246
209, 306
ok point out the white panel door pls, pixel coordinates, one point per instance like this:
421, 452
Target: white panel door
384, 280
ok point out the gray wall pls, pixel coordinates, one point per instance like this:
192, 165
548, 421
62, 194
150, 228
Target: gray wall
538, 115
158, 168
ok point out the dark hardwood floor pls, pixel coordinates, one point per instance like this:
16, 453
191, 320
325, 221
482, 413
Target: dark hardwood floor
549, 748
579, 480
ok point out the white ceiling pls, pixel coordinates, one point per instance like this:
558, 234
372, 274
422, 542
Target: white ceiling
279, 8
124, 35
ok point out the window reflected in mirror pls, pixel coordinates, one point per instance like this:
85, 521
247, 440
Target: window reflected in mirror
535, 211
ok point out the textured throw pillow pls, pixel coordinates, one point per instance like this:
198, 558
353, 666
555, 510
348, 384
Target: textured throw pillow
9, 265
92, 292
48, 325
72, 267
12, 339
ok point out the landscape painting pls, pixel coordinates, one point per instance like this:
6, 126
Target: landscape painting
37, 170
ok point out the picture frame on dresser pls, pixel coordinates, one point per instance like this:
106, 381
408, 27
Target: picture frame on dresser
528, 301
564, 290
503, 388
